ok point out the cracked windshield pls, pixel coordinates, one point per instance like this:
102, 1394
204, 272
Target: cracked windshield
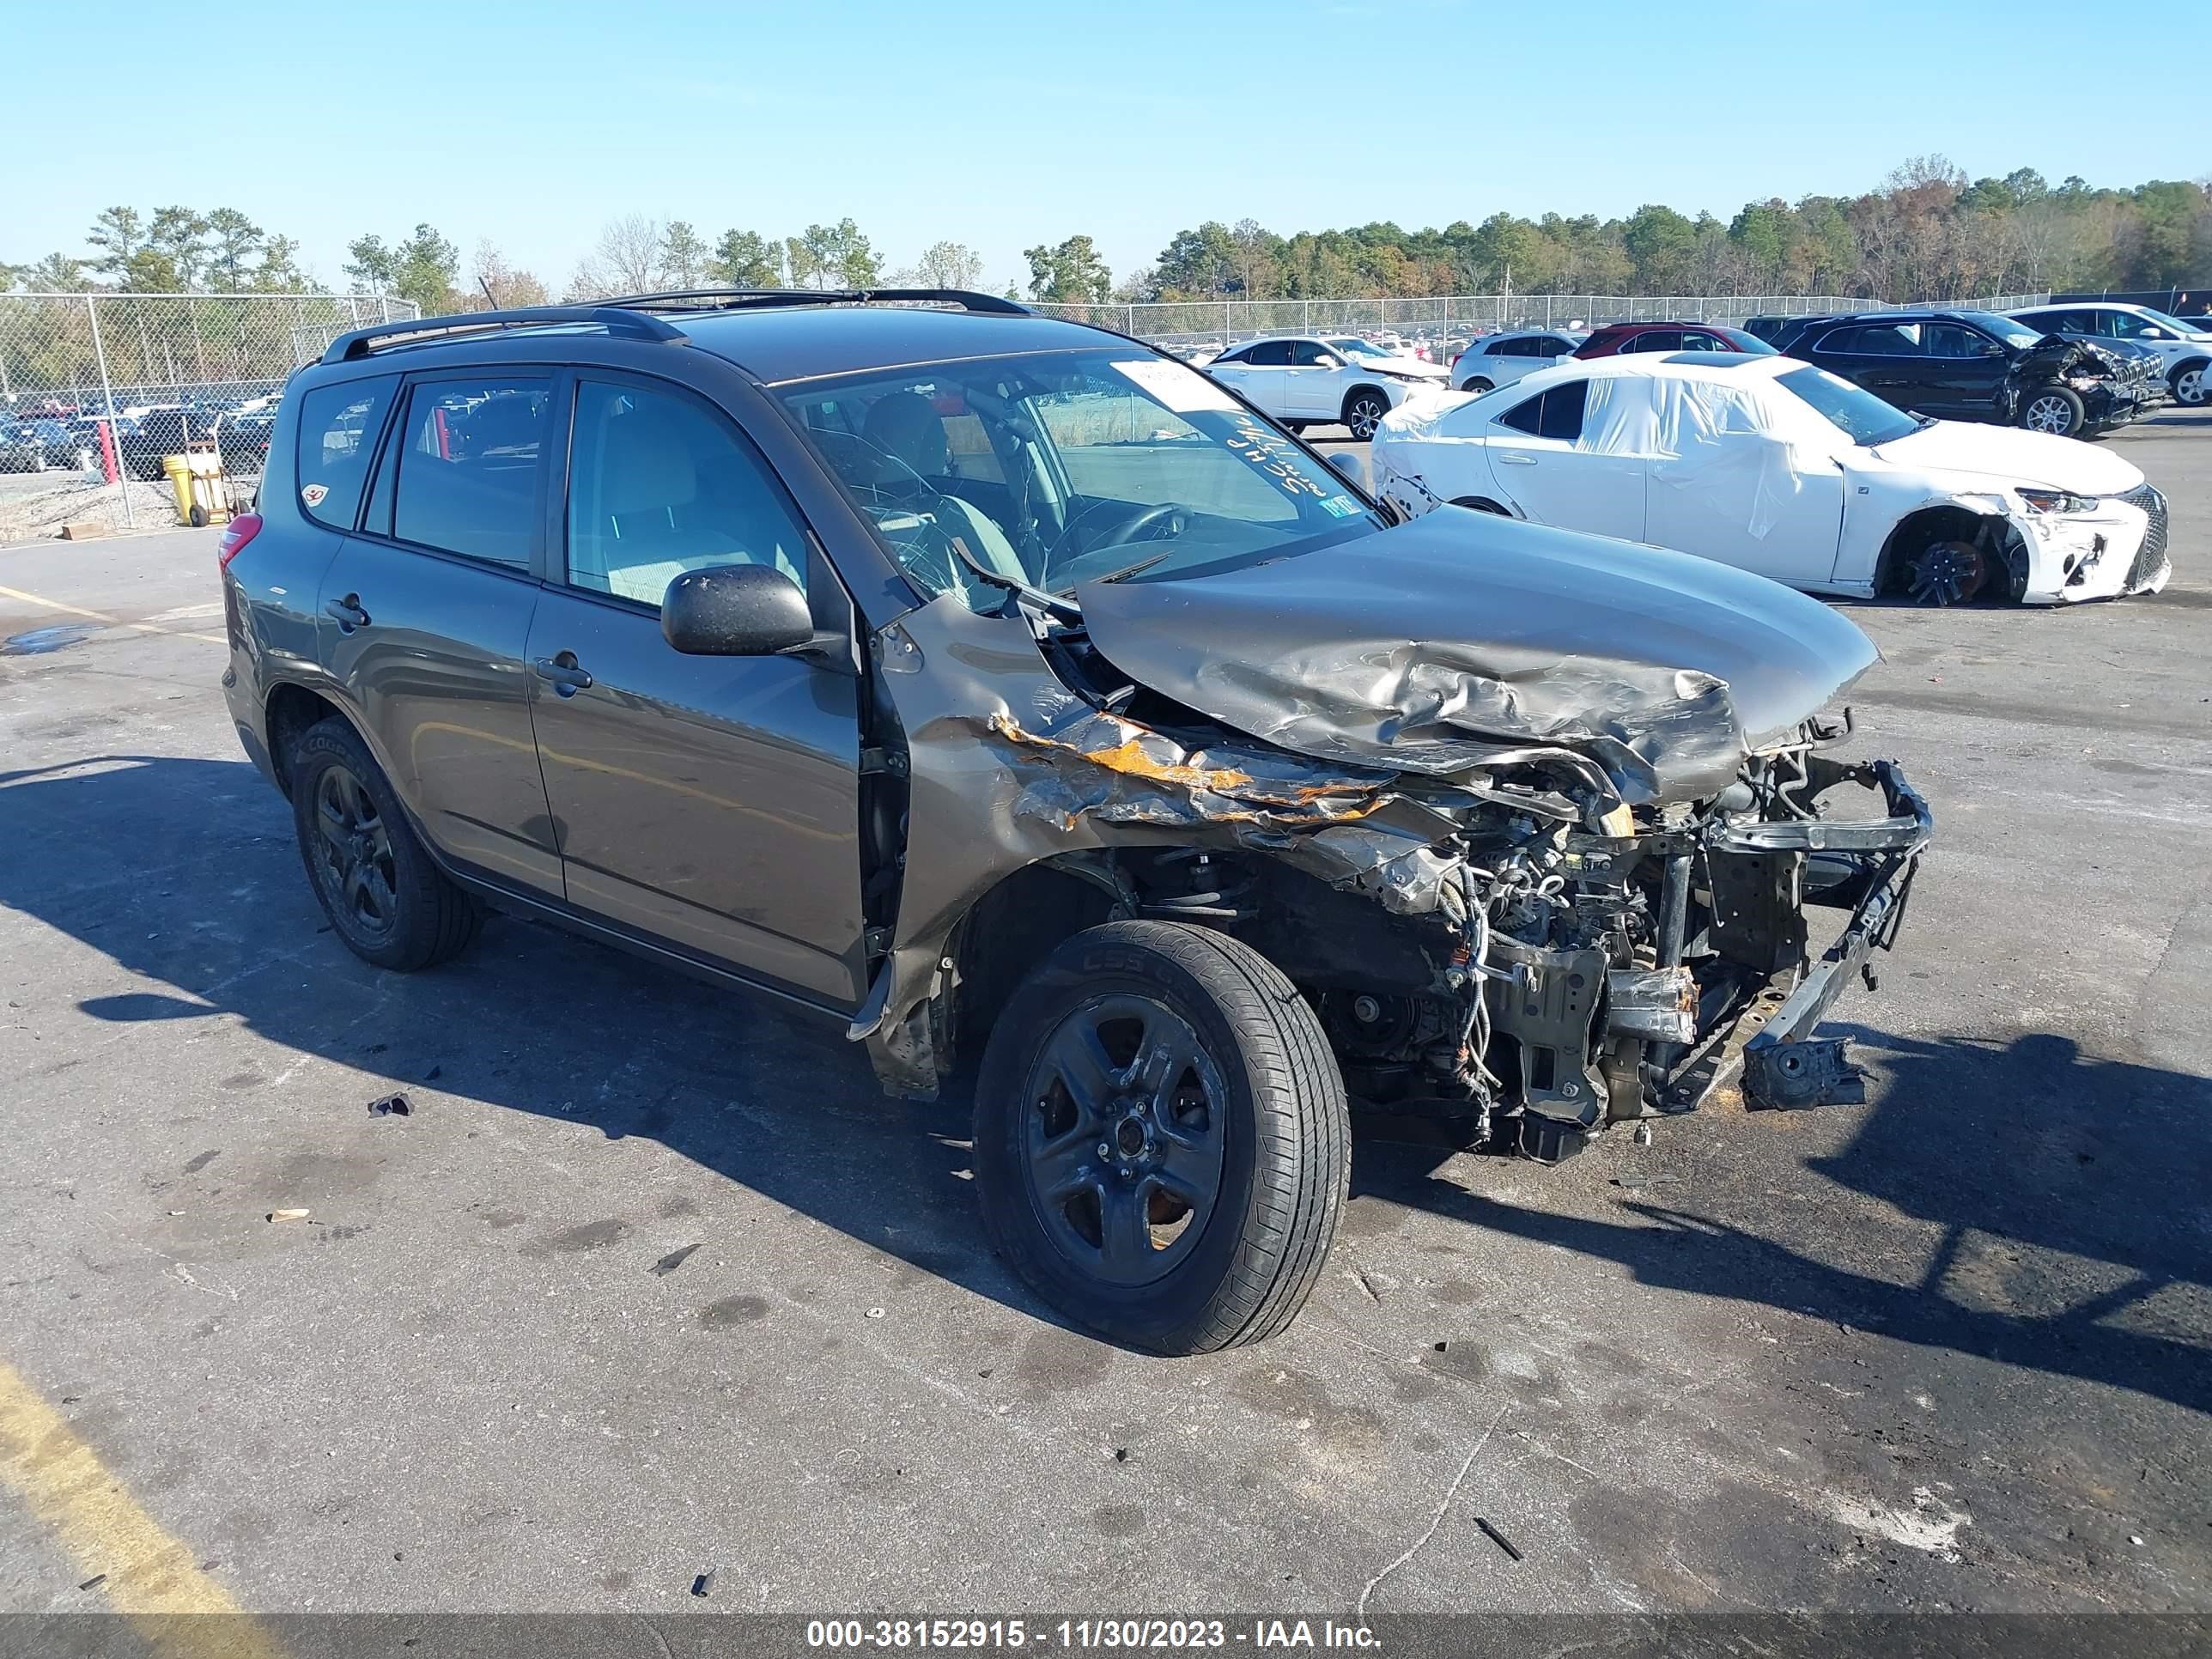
1045, 469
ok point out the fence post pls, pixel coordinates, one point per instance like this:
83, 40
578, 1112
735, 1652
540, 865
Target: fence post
108, 391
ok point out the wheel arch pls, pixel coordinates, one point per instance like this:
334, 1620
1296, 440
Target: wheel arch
1344, 409
290, 710
1951, 520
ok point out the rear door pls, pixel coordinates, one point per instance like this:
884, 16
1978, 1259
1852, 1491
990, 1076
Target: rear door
1883, 357
1539, 460
709, 802
425, 609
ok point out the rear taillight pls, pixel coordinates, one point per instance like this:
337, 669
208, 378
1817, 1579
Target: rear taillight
235, 535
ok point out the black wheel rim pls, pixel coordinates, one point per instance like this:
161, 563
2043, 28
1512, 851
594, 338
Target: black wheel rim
1947, 574
353, 850
1123, 1121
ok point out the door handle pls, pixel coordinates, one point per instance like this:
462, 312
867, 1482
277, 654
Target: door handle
1509, 459
562, 671
347, 611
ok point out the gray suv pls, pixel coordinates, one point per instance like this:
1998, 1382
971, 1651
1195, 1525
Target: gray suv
975, 677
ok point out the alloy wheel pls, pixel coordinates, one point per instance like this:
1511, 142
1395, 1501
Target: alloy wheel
1949, 573
2188, 387
353, 850
2048, 415
1366, 415
1122, 1137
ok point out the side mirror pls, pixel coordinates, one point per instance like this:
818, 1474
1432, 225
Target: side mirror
735, 610
1325, 361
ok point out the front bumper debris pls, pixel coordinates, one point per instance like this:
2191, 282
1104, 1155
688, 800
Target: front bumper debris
1874, 862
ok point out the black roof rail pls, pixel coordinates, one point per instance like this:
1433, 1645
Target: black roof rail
353, 346
734, 299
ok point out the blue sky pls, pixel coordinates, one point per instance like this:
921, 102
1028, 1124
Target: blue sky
1004, 126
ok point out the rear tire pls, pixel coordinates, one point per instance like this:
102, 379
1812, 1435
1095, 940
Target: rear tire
385, 898
1475, 383
1149, 1077
2052, 409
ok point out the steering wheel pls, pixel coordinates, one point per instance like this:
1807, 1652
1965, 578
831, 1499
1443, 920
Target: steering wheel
1153, 524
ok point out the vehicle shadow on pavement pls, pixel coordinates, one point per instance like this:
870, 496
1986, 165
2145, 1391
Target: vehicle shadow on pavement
2066, 1191
184, 872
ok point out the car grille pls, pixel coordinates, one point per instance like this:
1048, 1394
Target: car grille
2152, 553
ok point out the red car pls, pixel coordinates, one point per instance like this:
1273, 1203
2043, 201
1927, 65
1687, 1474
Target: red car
1616, 337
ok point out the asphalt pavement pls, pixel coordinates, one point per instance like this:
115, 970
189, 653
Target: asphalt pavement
650, 1280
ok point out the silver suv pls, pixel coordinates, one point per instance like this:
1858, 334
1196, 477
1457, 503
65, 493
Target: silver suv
968, 676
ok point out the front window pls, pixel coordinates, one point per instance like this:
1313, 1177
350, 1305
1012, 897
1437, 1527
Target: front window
2133, 322
1353, 346
1082, 464
1860, 416
2010, 330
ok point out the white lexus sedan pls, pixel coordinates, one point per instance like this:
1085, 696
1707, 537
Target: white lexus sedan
1313, 380
1776, 466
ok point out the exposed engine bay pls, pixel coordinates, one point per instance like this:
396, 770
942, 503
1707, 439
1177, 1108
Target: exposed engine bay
1529, 891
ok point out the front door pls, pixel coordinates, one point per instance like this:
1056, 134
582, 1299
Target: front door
712, 803
425, 609
1965, 372
1314, 384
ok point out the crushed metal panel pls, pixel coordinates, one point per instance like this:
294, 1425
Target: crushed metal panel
1425, 647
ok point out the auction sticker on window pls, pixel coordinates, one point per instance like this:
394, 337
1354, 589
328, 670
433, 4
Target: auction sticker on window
1185, 391
314, 495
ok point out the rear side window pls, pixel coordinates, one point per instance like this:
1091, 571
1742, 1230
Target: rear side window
1272, 354
339, 426
469, 458
1555, 413
1657, 339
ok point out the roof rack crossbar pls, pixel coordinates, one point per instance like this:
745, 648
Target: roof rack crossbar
634, 324
737, 298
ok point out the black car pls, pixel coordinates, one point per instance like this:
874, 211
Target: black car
162, 432
1971, 366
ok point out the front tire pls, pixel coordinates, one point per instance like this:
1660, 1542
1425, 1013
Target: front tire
2052, 409
1162, 1143
385, 898
2189, 388
1475, 383
1362, 412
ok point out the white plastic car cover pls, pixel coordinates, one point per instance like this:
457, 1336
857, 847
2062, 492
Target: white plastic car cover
1727, 444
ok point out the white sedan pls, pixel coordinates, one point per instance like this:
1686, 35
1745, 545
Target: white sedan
1776, 466
1311, 379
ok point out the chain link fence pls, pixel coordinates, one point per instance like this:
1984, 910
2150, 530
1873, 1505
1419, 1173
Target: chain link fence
1449, 321
96, 390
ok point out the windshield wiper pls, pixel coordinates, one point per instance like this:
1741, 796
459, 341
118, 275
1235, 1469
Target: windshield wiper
1141, 565
1066, 610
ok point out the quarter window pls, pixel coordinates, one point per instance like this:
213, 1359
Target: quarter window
659, 486
469, 458
339, 426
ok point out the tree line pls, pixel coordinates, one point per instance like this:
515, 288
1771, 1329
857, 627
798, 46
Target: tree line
1928, 232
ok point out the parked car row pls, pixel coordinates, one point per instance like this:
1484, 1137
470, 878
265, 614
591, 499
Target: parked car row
1778, 467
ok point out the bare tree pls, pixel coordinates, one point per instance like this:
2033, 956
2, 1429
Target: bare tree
628, 255
943, 264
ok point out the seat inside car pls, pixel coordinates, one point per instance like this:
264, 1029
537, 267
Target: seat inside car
908, 437
648, 516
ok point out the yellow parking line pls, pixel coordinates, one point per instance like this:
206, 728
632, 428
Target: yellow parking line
148, 1573
98, 616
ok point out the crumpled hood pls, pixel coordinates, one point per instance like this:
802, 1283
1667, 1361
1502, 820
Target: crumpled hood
1438, 644
2004, 457
2054, 354
1404, 364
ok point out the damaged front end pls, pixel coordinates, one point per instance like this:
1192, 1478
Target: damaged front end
1529, 892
